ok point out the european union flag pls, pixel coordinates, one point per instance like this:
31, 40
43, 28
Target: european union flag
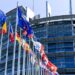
24, 24
2, 18
21, 22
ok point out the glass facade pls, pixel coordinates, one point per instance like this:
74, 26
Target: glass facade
58, 36
11, 17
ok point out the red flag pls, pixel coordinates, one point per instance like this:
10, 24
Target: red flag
4, 29
11, 35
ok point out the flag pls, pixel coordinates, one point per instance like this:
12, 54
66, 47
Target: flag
51, 66
2, 18
4, 28
3, 23
39, 47
27, 47
34, 60
24, 24
42, 65
21, 22
11, 35
18, 38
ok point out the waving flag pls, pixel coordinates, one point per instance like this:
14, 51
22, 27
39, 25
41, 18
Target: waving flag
3, 23
4, 28
2, 18
24, 24
38, 46
18, 38
11, 35
33, 58
27, 47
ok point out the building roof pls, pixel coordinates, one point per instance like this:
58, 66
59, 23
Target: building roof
53, 18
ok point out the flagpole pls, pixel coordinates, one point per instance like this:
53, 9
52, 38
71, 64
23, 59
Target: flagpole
32, 65
7, 53
1, 45
46, 9
23, 68
29, 61
13, 61
19, 55
24, 72
27, 64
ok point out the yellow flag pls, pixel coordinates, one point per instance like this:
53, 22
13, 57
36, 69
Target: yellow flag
4, 28
18, 37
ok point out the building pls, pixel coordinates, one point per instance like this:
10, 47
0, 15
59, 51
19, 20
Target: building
14, 60
57, 33
8, 54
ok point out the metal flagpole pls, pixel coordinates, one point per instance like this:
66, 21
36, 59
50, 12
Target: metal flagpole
7, 52
32, 64
13, 61
23, 68
70, 2
19, 55
27, 65
34, 72
41, 71
29, 61
1, 45
46, 8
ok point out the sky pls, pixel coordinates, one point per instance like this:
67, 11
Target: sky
58, 7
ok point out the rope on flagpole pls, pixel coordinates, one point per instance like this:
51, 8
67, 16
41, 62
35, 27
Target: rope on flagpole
13, 61
7, 53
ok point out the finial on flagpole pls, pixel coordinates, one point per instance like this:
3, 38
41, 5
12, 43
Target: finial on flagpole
17, 3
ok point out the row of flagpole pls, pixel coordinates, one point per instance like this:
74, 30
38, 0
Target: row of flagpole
26, 70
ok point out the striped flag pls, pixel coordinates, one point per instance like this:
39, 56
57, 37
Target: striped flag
4, 28
38, 46
11, 35
3, 24
18, 38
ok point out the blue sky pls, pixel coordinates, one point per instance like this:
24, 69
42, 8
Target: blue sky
59, 7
